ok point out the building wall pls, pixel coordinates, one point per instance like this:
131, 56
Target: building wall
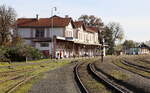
144, 51
90, 37
29, 42
24, 32
79, 33
135, 51
49, 32
96, 38
55, 31
75, 33
38, 46
69, 30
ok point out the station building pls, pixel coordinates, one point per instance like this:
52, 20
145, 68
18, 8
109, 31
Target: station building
59, 37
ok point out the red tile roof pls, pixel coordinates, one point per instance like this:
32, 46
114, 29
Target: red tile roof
92, 29
78, 23
87, 28
57, 22
44, 22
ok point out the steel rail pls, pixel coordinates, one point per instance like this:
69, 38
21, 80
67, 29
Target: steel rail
78, 80
136, 66
131, 71
117, 88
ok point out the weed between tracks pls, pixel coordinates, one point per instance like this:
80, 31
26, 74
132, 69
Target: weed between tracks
19, 63
9, 77
90, 83
107, 68
6, 75
25, 88
140, 62
118, 63
119, 75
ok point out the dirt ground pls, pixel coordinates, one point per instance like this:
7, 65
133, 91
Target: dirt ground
133, 81
57, 81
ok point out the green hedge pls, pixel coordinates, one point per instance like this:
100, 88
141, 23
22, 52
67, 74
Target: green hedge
3, 54
19, 53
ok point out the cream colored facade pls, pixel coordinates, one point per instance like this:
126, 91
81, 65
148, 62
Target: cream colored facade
63, 42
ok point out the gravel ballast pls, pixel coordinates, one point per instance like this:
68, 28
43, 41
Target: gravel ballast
140, 83
60, 80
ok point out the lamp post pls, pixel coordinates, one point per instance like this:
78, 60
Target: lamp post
52, 10
52, 25
102, 40
102, 53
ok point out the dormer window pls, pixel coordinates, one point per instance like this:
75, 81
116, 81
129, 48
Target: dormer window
39, 33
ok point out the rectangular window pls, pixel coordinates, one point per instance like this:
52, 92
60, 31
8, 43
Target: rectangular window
68, 33
44, 44
39, 33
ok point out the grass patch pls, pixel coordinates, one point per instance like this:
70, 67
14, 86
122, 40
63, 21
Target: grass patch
95, 86
4, 64
119, 63
27, 71
140, 62
90, 83
38, 68
16, 63
28, 85
119, 75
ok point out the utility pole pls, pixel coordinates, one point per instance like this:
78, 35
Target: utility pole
102, 40
52, 25
102, 53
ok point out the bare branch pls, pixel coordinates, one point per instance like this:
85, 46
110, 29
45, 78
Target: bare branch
7, 23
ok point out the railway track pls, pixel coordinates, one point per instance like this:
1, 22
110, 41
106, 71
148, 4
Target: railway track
145, 61
136, 66
131, 71
114, 86
78, 80
19, 76
23, 81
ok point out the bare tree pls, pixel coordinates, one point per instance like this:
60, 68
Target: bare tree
117, 31
7, 23
112, 32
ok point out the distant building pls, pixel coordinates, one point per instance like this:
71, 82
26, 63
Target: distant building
132, 51
59, 37
143, 48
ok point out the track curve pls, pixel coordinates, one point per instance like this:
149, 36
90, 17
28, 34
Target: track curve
77, 77
114, 86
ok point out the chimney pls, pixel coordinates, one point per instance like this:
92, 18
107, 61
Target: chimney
37, 16
66, 16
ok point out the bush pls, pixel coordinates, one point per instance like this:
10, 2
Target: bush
3, 54
15, 54
19, 53
34, 53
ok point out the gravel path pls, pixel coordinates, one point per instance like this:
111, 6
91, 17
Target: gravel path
57, 81
135, 80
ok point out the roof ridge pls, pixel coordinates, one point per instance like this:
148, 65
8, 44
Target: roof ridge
58, 21
26, 18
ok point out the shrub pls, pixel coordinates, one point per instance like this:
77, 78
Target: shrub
3, 54
15, 54
19, 53
34, 53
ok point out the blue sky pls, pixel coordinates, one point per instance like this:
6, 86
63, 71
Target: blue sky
133, 15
